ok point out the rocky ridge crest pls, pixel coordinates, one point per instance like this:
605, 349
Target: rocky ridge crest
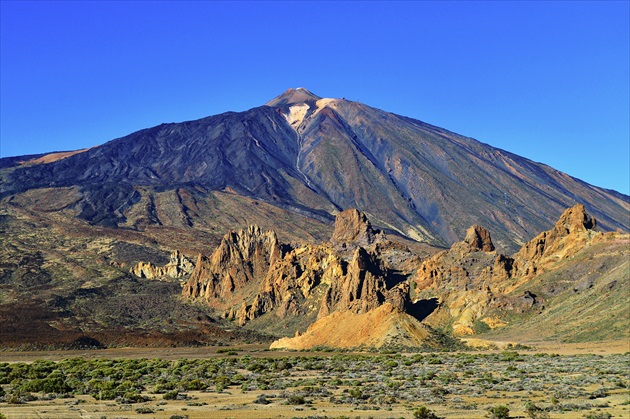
471, 279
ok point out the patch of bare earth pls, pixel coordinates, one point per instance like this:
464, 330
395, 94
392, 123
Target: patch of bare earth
384, 325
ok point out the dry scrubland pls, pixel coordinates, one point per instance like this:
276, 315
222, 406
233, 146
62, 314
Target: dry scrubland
253, 383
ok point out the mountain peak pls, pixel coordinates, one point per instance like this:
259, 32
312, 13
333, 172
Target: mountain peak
293, 96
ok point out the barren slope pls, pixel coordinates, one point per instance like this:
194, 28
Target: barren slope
314, 157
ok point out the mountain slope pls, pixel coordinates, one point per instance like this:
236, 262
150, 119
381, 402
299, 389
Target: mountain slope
315, 157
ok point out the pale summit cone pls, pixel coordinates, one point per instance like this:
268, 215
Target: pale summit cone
292, 97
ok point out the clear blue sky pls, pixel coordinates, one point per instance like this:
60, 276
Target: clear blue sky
545, 80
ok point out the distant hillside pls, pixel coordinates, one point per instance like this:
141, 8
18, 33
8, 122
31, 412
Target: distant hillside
308, 158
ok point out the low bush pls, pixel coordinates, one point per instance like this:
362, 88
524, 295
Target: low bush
499, 412
144, 410
535, 412
424, 413
296, 400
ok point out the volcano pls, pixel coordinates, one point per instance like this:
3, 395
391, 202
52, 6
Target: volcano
297, 161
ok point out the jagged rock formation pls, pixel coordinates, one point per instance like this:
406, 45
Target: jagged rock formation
572, 231
178, 267
363, 287
240, 258
293, 285
305, 281
356, 277
457, 277
471, 279
353, 227
478, 239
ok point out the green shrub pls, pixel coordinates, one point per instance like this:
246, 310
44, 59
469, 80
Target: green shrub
228, 351
133, 397
391, 364
296, 400
170, 395
193, 385
498, 412
54, 383
19, 396
356, 393
510, 356
601, 392
535, 412
164, 387
480, 327
262, 399
424, 413
144, 410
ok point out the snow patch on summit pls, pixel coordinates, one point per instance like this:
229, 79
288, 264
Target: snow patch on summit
296, 115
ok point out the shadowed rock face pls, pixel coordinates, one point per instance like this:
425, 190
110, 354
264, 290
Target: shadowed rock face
479, 239
315, 157
363, 288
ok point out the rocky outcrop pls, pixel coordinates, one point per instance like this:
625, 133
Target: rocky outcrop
289, 287
178, 267
251, 275
471, 279
572, 232
353, 227
240, 258
363, 288
459, 279
478, 239
359, 285
252, 278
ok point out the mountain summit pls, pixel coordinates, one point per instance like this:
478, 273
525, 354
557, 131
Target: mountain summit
296, 162
292, 97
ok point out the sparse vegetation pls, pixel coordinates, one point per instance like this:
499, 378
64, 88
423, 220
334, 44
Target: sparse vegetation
422, 385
